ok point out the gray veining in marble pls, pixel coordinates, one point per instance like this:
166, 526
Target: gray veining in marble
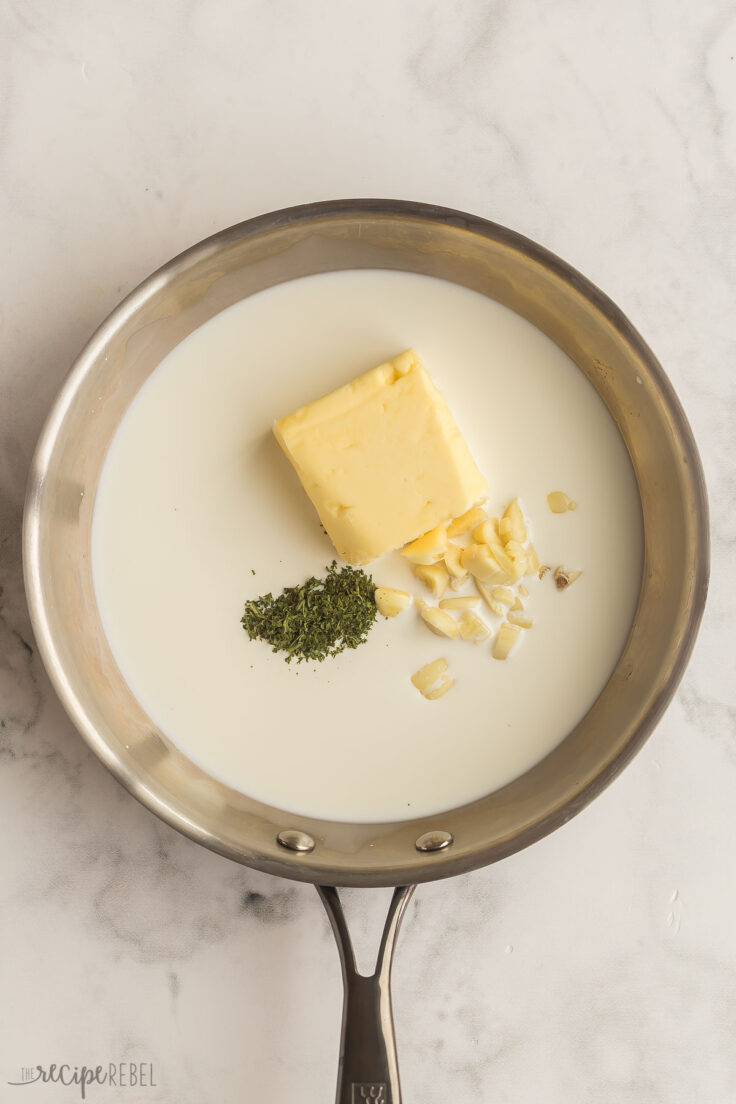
597, 966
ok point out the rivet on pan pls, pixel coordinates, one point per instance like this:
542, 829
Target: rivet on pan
294, 840
434, 841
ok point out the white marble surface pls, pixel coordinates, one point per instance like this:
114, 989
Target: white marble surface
596, 966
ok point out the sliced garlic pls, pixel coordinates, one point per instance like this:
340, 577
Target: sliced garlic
473, 628
506, 637
446, 683
523, 592
544, 570
390, 601
428, 674
428, 548
439, 621
434, 577
517, 603
465, 601
467, 521
560, 503
520, 618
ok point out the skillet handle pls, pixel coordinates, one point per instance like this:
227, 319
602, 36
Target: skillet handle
368, 1069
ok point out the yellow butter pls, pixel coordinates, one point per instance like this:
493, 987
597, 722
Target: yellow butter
382, 459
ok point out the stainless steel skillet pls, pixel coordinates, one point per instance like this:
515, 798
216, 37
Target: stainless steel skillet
182, 296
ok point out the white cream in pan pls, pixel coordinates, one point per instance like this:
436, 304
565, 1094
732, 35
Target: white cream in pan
196, 495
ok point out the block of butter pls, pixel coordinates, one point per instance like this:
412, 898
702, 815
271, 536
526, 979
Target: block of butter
382, 459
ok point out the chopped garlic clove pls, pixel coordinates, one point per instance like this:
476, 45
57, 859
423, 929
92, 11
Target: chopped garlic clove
473, 628
453, 561
432, 680
564, 579
495, 543
484, 591
520, 618
465, 601
503, 594
467, 521
515, 550
434, 577
517, 603
560, 503
485, 533
514, 518
446, 683
488, 594
477, 554
505, 639
482, 564
428, 548
439, 621
523, 592
505, 562
390, 601
519, 568
544, 570
428, 674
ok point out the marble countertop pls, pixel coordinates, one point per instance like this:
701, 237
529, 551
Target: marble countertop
595, 966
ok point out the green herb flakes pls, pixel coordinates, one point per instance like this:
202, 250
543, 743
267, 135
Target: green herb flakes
321, 618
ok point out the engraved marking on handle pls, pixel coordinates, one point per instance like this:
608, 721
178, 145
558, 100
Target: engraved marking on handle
369, 1091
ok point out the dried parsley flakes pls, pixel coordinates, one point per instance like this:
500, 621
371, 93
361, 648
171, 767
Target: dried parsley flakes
318, 619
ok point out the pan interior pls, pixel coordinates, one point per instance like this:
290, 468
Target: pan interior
198, 509
328, 238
